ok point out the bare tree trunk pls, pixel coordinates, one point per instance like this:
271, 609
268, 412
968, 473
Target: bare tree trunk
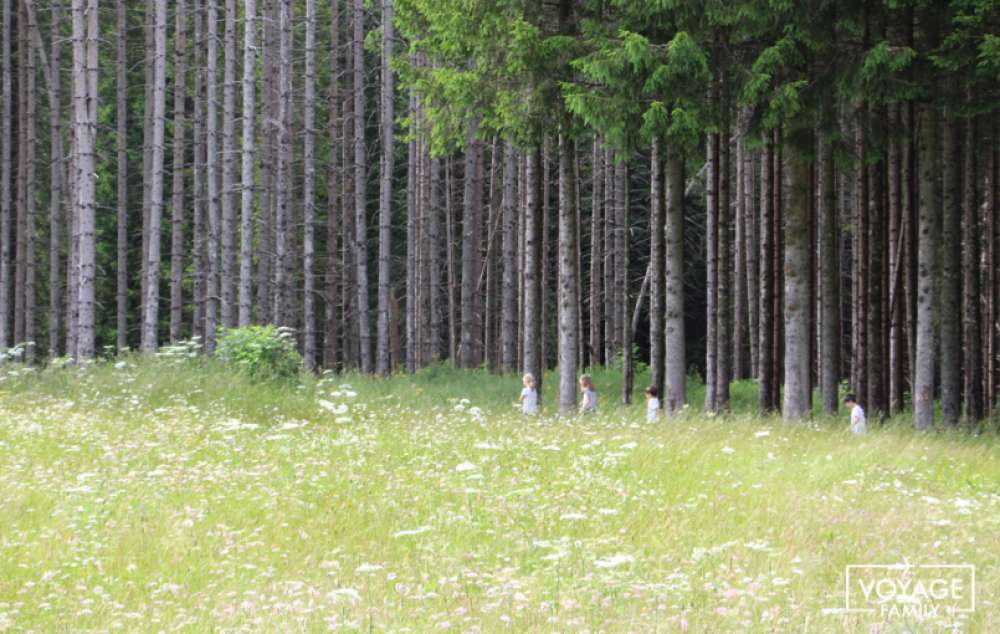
711, 274
198, 142
738, 262
385, 192
568, 292
30, 185
533, 362
765, 349
751, 249
724, 272
56, 179
149, 28
177, 202
829, 279
596, 255
5, 158
212, 176
229, 309
656, 255
971, 315
674, 343
282, 191
950, 289
508, 333
796, 305
331, 324
622, 248
923, 387
151, 305
21, 193
247, 158
360, 215
470, 249
268, 162
435, 248
452, 280
84, 131
897, 228
308, 192
610, 314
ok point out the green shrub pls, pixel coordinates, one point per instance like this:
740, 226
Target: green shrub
260, 352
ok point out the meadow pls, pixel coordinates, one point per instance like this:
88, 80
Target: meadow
172, 495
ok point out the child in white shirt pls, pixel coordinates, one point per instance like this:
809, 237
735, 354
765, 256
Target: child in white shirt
588, 404
858, 423
652, 404
529, 395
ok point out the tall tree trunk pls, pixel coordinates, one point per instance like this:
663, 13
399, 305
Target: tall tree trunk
148, 30
765, 349
450, 241
385, 192
30, 185
738, 263
5, 157
674, 343
610, 314
56, 180
622, 247
874, 304
897, 229
752, 251
711, 274
198, 202
568, 292
212, 177
923, 386
268, 161
795, 406
596, 255
470, 251
414, 264
971, 315
151, 305
533, 362
508, 332
829, 279
84, 131
309, 192
335, 206
360, 166
229, 310
247, 157
724, 270
177, 196
950, 282
435, 248
283, 182
656, 254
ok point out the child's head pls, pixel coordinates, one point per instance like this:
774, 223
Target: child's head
586, 383
528, 380
850, 400
652, 392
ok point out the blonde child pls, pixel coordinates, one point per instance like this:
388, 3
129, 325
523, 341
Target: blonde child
652, 404
588, 405
858, 423
529, 395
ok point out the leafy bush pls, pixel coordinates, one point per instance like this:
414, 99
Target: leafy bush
260, 352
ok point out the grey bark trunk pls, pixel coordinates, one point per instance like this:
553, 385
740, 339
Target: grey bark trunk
971, 314
795, 406
674, 339
385, 193
309, 192
360, 214
229, 309
656, 255
508, 331
829, 280
950, 281
923, 386
596, 256
177, 195
211, 175
247, 158
533, 268
568, 292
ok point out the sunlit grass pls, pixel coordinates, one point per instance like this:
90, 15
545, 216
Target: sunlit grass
163, 495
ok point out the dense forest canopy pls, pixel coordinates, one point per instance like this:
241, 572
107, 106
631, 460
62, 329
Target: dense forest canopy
800, 193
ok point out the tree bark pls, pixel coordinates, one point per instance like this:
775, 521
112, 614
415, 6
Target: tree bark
765, 349
198, 202
949, 317
711, 274
470, 251
508, 332
795, 406
596, 255
309, 192
211, 175
229, 308
724, 271
177, 195
5, 158
360, 214
568, 292
923, 387
656, 255
533, 363
248, 158
335, 204
829, 279
281, 292
674, 344
622, 247
385, 193
971, 315
56, 181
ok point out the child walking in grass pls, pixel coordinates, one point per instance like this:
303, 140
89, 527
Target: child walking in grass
588, 405
529, 395
858, 423
652, 404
